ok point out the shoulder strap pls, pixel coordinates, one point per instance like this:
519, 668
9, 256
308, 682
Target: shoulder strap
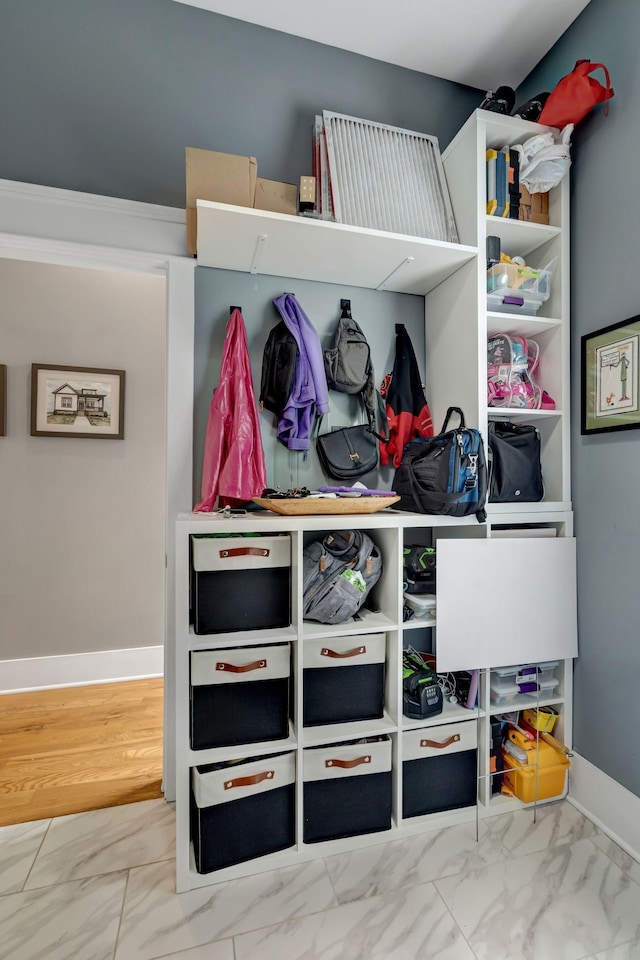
374, 408
450, 411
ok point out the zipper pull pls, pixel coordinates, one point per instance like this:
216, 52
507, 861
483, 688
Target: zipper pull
323, 563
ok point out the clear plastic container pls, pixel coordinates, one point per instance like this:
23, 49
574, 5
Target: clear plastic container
503, 689
514, 280
423, 605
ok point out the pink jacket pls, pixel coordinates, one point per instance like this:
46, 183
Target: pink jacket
233, 468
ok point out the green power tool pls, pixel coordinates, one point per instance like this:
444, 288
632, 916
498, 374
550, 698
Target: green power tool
421, 691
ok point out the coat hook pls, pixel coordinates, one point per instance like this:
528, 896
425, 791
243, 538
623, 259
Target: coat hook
345, 306
231, 309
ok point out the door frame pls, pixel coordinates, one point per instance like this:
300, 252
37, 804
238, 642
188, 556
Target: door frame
51, 226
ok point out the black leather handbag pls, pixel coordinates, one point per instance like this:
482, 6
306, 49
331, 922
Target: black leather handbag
515, 472
348, 452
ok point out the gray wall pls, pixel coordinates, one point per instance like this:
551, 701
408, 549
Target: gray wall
103, 97
377, 314
605, 288
82, 551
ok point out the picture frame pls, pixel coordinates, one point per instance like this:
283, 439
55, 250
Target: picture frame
610, 378
79, 402
3, 399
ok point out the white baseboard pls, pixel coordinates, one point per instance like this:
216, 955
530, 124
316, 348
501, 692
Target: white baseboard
78, 669
607, 803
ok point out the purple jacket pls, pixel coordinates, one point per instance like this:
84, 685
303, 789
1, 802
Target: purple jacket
309, 391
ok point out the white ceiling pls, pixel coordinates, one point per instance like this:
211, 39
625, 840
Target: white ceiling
483, 43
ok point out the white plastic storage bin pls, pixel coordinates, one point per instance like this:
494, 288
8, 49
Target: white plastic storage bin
439, 768
243, 810
240, 583
347, 789
343, 679
240, 695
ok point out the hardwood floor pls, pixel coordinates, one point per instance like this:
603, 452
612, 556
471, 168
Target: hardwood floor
79, 748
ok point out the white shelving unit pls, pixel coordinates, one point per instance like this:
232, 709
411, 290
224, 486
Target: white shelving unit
458, 310
390, 530
484, 604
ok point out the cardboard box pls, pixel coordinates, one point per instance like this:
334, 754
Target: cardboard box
223, 177
534, 207
276, 196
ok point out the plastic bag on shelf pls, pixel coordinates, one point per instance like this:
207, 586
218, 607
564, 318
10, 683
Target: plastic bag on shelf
544, 160
512, 365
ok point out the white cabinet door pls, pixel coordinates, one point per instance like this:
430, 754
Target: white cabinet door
505, 602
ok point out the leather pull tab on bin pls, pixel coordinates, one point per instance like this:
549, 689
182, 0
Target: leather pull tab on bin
249, 781
442, 744
356, 652
347, 764
245, 668
245, 552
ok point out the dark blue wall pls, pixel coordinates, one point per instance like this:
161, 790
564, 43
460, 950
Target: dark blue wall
605, 289
104, 95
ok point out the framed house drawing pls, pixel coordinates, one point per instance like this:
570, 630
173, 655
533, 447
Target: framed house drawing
84, 402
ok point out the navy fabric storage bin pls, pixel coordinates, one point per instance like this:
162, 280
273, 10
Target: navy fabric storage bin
240, 583
439, 768
242, 811
343, 679
240, 695
347, 789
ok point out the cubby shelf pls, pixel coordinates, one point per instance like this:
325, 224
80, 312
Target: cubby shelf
333, 732
486, 647
245, 638
474, 560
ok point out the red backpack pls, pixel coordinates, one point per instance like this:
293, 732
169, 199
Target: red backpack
575, 95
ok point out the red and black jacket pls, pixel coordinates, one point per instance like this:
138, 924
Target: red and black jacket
407, 408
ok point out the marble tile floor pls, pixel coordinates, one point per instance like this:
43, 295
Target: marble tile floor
100, 886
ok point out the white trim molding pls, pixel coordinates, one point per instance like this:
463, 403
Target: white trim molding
80, 669
32, 210
607, 803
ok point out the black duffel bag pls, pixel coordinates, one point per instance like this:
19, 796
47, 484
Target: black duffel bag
445, 474
515, 473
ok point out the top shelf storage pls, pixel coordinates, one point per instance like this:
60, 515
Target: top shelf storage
258, 241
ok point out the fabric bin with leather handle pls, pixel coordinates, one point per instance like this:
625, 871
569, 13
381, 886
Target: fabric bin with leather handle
439, 768
242, 810
343, 679
227, 572
239, 695
347, 789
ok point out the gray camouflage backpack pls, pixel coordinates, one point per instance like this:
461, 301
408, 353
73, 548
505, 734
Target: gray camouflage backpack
349, 369
338, 573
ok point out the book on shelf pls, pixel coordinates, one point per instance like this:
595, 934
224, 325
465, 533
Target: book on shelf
491, 182
502, 185
514, 184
